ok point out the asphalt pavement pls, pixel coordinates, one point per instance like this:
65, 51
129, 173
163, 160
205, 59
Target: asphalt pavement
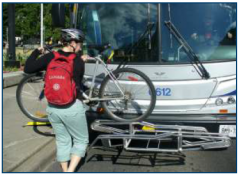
123, 161
25, 148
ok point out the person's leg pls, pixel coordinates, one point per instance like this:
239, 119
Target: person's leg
78, 129
64, 166
73, 163
63, 138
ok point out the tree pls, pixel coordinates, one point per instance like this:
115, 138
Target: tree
50, 30
27, 21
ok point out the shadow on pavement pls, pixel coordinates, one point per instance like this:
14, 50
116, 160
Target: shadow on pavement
38, 130
122, 157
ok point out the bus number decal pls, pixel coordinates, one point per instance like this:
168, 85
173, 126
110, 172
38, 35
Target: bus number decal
163, 92
168, 92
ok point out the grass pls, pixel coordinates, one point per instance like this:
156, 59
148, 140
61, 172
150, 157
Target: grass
20, 56
10, 69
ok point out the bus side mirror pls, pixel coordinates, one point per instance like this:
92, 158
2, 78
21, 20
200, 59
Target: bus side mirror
58, 15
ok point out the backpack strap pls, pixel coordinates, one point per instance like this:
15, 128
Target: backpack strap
72, 56
57, 55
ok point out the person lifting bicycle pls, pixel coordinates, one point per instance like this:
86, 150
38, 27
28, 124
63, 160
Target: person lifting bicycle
67, 117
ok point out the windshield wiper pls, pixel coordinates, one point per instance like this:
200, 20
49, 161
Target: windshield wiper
193, 57
138, 42
147, 33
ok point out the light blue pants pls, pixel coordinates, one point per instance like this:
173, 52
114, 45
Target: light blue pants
71, 130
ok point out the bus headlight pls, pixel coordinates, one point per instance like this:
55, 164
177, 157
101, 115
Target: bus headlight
219, 102
231, 100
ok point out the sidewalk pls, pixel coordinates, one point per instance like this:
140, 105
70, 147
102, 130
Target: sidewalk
25, 148
12, 78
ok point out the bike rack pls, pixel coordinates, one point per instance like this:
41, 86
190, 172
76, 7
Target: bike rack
147, 137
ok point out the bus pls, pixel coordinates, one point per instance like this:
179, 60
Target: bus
188, 50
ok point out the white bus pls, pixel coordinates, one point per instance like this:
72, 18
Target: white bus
196, 85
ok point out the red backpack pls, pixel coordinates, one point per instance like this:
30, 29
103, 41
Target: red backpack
60, 88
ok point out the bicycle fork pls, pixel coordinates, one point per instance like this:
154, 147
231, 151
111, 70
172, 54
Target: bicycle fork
112, 77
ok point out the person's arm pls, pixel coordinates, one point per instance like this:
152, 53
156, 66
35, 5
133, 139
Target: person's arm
35, 64
78, 71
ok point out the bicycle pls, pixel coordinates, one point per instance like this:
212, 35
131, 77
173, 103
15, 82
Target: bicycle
125, 94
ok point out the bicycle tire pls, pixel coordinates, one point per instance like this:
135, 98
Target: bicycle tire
112, 114
25, 103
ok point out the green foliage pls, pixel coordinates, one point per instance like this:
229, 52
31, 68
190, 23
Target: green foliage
10, 69
27, 21
22, 58
4, 56
50, 31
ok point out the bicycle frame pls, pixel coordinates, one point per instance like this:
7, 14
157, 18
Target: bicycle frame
89, 98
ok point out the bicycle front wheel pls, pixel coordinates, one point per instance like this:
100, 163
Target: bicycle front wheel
130, 97
30, 97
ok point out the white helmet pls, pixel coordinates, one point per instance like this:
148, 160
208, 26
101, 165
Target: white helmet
72, 35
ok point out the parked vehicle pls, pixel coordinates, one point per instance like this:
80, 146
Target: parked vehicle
193, 69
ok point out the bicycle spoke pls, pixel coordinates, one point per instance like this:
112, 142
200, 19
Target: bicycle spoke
30, 86
27, 93
138, 100
29, 97
113, 104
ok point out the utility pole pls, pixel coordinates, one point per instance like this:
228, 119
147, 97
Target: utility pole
11, 62
42, 25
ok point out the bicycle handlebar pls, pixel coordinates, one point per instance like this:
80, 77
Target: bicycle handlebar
50, 47
91, 59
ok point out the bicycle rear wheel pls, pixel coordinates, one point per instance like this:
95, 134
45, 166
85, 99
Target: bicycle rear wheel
30, 97
139, 95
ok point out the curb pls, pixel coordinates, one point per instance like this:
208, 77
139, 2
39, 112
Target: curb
38, 160
12, 79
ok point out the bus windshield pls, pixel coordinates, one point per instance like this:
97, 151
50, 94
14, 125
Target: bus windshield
129, 28
132, 30
210, 29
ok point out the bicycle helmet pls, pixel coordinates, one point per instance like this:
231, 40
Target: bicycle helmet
72, 35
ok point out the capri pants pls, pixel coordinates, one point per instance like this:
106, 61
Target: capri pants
71, 130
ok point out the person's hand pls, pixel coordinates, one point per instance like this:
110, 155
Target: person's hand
84, 57
230, 35
41, 50
194, 36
